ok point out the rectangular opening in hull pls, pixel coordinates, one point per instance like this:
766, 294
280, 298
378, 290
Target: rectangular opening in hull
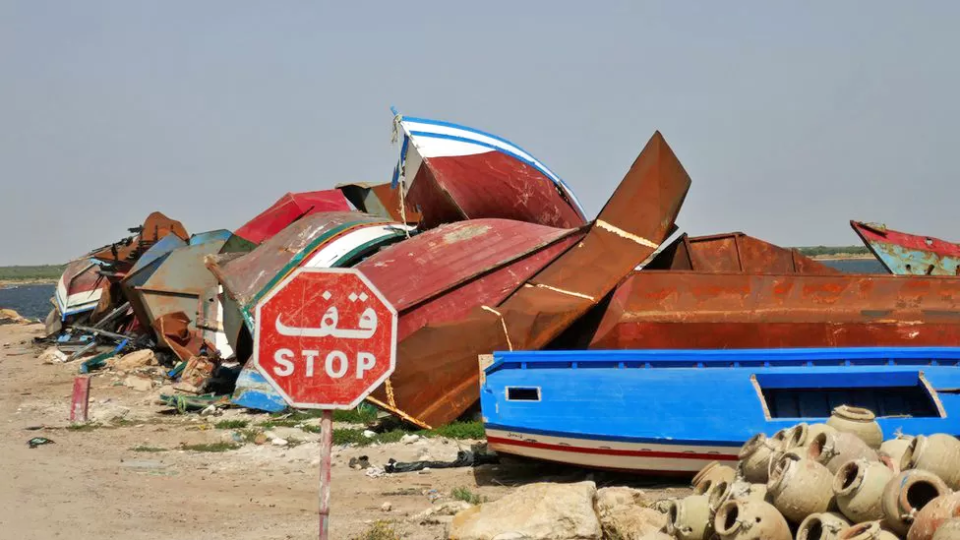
903, 394
522, 394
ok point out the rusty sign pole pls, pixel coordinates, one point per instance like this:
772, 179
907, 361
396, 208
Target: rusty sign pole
326, 442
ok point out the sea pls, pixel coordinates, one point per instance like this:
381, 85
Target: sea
856, 266
30, 301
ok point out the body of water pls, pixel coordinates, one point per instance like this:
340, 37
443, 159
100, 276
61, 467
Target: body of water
31, 301
857, 266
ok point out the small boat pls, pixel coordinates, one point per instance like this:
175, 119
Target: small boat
909, 254
80, 288
289, 208
453, 173
673, 411
703, 310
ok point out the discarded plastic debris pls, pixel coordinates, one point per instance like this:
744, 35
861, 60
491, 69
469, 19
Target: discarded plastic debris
39, 441
465, 458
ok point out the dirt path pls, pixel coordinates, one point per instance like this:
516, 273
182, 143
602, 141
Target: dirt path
113, 482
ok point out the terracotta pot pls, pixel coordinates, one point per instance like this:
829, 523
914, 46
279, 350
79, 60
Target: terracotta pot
755, 458
859, 422
938, 454
859, 486
834, 449
906, 494
735, 490
803, 434
800, 487
712, 474
750, 520
933, 515
689, 518
825, 526
948, 531
894, 449
866, 531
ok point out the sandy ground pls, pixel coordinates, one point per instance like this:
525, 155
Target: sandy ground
92, 484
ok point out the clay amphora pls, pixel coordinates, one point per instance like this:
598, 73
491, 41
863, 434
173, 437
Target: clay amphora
906, 494
858, 421
858, 486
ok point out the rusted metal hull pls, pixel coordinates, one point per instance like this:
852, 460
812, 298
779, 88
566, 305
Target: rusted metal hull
694, 310
121, 256
380, 200
178, 284
289, 208
436, 376
456, 173
734, 252
910, 254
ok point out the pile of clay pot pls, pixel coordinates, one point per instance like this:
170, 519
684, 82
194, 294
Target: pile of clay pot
838, 480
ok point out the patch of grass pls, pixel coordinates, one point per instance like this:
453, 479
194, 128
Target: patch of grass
360, 415
355, 436
23, 273
231, 424
464, 494
89, 426
310, 429
279, 423
148, 449
249, 435
210, 447
457, 430
381, 530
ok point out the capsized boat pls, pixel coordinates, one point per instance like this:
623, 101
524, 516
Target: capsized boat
453, 173
289, 208
909, 254
435, 379
674, 411
705, 310
80, 288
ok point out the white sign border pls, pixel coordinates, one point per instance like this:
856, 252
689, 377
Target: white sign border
276, 290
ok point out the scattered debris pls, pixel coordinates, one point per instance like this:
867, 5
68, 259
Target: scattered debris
39, 441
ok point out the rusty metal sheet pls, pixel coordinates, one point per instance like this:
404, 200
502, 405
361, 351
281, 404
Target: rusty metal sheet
178, 284
440, 259
734, 252
380, 200
289, 209
177, 332
124, 254
697, 310
436, 376
909, 254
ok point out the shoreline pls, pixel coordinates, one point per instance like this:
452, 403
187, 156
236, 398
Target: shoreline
9, 283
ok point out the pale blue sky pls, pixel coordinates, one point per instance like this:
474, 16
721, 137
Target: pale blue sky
791, 118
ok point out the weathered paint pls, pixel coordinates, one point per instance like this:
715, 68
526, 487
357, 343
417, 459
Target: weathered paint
697, 310
734, 252
254, 392
178, 283
676, 410
436, 377
288, 209
79, 288
124, 254
909, 254
455, 173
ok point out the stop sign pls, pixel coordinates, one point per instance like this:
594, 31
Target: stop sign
325, 338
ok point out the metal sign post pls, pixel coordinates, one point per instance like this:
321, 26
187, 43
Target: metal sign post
325, 339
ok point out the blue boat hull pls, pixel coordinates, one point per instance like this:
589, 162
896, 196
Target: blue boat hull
674, 411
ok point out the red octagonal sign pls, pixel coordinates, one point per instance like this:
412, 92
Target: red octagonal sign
325, 338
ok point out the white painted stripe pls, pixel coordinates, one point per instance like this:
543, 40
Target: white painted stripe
648, 463
431, 148
503, 323
329, 254
562, 291
624, 234
464, 134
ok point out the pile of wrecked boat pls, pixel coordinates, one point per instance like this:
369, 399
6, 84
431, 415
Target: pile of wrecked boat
615, 342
